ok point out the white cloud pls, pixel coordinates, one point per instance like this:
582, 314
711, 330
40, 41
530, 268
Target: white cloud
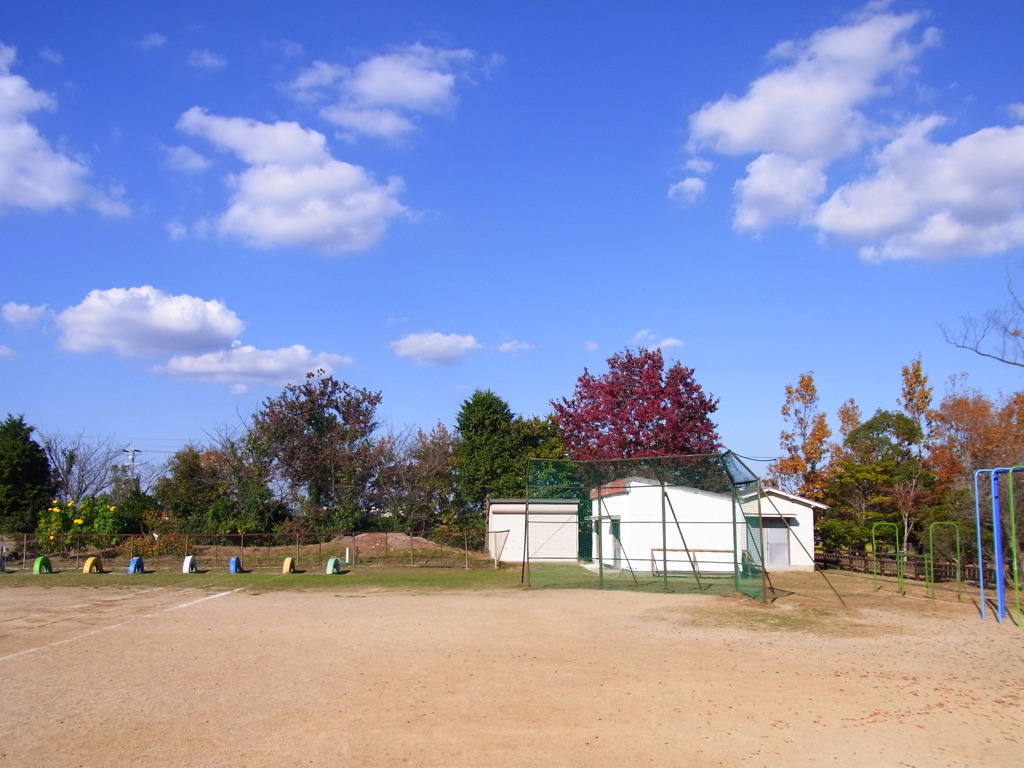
197, 334
668, 343
915, 198
688, 190
289, 48
203, 59
648, 340
33, 174
257, 143
50, 55
7, 352
432, 348
333, 207
22, 315
418, 78
146, 322
383, 123
241, 366
176, 230
699, 165
808, 108
186, 159
295, 193
514, 347
383, 95
935, 200
591, 346
777, 187
152, 40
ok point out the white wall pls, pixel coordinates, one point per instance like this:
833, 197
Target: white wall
553, 534
782, 510
698, 520
704, 523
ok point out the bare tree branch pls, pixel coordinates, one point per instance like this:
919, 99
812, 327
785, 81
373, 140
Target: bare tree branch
81, 467
998, 334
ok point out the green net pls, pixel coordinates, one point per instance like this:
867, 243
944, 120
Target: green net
665, 524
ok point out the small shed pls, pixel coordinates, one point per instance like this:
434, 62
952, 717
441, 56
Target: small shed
647, 527
552, 533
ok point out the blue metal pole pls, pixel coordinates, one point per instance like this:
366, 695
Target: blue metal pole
981, 560
997, 546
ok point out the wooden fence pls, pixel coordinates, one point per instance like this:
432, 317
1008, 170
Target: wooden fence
914, 566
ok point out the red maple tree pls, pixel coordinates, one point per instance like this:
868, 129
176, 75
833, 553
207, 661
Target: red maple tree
636, 409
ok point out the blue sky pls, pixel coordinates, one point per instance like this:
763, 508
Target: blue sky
201, 201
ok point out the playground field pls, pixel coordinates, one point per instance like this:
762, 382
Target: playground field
115, 672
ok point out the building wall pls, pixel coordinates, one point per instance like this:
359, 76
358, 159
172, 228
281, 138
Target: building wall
553, 533
697, 521
797, 515
703, 524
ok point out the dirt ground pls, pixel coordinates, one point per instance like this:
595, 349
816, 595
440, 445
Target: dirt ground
368, 677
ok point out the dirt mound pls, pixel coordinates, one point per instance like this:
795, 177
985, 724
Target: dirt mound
379, 543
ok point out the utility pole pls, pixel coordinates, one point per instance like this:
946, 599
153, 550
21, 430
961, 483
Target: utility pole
131, 460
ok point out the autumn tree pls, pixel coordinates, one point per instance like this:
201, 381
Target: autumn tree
637, 408
25, 482
804, 441
970, 431
849, 418
318, 437
916, 399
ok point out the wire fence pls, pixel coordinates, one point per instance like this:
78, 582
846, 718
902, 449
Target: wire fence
267, 552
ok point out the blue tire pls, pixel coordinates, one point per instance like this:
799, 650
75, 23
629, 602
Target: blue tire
135, 565
235, 565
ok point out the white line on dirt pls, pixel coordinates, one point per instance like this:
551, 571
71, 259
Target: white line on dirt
200, 600
66, 640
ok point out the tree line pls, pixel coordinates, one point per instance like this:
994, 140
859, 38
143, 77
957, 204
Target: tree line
317, 458
911, 465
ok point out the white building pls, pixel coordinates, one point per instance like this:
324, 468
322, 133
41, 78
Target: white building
552, 534
643, 526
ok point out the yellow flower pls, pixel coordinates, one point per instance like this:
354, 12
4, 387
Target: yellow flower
56, 501
111, 508
51, 537
79, 521
71, 502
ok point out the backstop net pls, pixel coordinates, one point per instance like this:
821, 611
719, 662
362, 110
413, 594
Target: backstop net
674, 524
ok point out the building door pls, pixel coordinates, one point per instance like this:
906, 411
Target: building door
776, 541
616, 526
